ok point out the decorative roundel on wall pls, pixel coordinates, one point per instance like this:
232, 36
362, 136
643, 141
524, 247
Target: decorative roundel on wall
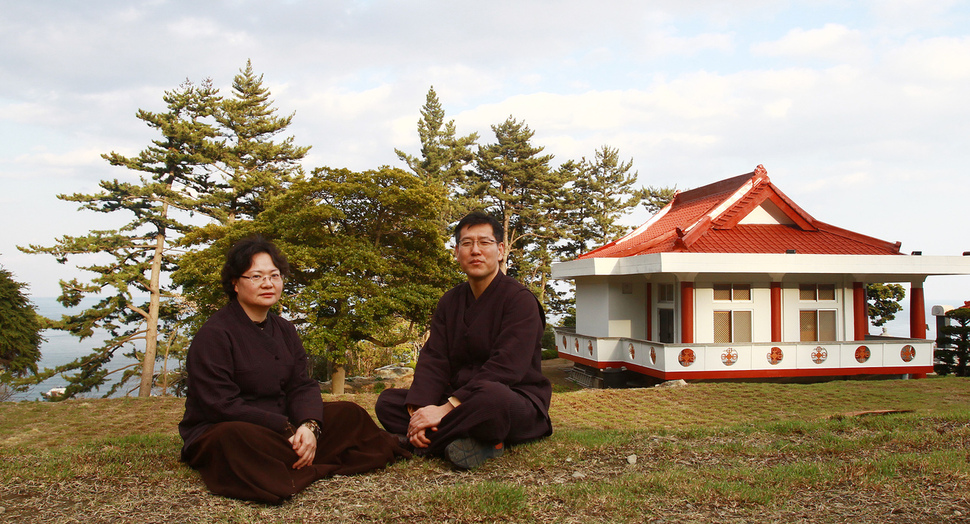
686, 357
862, 354
819, 354
775, 355
577, 345
729, 357
590, 347
653, 355
564, 345
633, 352
908, 353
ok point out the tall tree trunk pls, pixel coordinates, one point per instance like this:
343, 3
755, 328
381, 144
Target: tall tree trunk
504, 263
151, 336
338, 379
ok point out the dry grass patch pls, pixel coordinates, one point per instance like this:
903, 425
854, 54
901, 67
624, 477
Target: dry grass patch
703, 453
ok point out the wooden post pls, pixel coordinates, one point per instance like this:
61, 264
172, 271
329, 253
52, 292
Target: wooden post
649, 311
776, 311
917, 311
860, 311
687, 312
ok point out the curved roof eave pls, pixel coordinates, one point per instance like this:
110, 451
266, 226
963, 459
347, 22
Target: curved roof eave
872, 268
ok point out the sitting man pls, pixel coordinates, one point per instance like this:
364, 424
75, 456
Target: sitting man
478, 384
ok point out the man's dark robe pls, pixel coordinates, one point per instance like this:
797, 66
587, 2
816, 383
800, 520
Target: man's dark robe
486, 353
245, 385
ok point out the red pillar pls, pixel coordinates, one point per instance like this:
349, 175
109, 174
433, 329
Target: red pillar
860, 310
917, 311
687, 312
649, 311
776, 311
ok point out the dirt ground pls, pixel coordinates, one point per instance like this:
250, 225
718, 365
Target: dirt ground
557, 370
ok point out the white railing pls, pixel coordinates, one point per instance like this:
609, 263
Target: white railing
841, 357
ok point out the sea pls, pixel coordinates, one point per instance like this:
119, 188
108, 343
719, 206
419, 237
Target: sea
60, 347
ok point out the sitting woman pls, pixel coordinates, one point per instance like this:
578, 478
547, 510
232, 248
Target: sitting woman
255, 425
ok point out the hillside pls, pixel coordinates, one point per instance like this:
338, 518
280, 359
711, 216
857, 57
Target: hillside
701, 453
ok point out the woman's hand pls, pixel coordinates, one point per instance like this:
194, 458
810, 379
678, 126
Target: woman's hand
305, 445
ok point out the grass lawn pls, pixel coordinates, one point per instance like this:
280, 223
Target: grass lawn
727, 452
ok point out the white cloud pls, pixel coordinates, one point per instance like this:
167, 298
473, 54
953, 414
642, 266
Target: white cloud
833, 42
844, 108
931, 61
778, 108
902, 17
662, 44
195, 29
66, 162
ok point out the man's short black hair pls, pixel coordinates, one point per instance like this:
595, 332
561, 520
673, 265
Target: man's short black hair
477, 218
240, 258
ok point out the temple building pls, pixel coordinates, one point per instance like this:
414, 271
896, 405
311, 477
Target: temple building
734, 280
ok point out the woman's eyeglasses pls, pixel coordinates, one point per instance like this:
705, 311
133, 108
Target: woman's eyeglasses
257, 280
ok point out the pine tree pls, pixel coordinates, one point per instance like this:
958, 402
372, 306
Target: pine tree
444, 158
952, 354
20, 328
250, 167
882, 302
602, 192
135, 256
514, 182
367, 257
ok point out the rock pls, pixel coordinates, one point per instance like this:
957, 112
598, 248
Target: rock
579, 475
396, 375
394, 372
672, 384
631, 460
54, 393
393, 376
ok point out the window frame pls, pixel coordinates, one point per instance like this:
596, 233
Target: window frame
662, 289
818, 324
733, 326
816, 292
732, 290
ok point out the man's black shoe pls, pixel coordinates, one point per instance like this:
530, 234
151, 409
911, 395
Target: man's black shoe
468, 453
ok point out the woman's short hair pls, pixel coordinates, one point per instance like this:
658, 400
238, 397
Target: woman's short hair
476, 218
240, 258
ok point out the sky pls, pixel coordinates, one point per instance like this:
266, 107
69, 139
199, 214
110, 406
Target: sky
859, 111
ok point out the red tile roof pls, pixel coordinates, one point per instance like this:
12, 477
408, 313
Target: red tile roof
707, 220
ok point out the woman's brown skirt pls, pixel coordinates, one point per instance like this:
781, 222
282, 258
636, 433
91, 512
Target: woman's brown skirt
250, 462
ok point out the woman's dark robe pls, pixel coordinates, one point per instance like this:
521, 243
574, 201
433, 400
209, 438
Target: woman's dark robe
246, 386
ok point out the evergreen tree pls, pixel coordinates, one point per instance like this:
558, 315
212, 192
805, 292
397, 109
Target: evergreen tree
444, 157
514, 182
952, 354
601, 194
20, 328
656, 198
135, 256
367, 257
883, 302
250, 167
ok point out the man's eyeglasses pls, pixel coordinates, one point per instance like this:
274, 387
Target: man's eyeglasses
483, 243
256, 280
